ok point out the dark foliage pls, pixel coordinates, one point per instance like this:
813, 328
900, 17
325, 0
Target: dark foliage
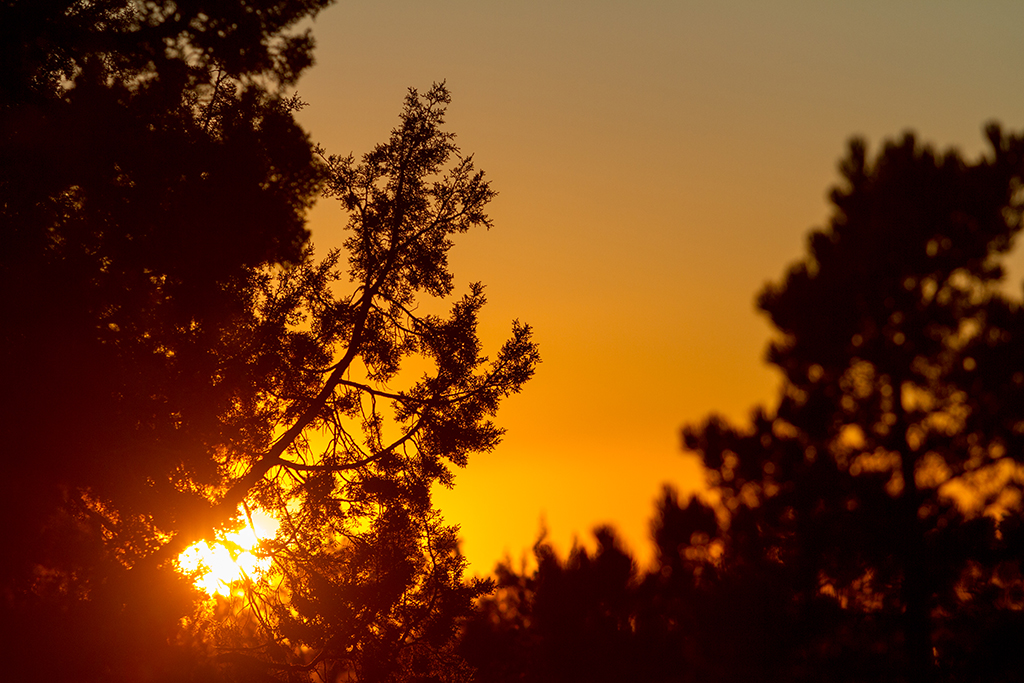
144, 174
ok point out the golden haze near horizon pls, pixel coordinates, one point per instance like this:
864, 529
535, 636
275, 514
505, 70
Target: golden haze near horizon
656, 166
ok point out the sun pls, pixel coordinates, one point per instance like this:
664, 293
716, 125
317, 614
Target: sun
220, 566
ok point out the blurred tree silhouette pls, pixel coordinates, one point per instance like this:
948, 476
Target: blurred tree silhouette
870, 528
888, 479
171, 350
569, 620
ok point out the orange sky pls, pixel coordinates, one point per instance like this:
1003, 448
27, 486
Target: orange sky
657, 163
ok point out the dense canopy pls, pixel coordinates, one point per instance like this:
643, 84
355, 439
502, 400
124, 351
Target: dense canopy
176, 358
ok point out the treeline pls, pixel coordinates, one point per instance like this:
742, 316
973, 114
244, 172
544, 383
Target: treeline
594, 616
713, 608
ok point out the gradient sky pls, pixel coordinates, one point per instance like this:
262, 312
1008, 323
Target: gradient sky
657, 163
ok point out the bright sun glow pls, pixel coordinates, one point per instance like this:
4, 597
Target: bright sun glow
226, 561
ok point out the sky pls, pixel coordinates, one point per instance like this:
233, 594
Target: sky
657, 164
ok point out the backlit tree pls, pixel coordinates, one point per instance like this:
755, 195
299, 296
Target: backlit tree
367, 580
